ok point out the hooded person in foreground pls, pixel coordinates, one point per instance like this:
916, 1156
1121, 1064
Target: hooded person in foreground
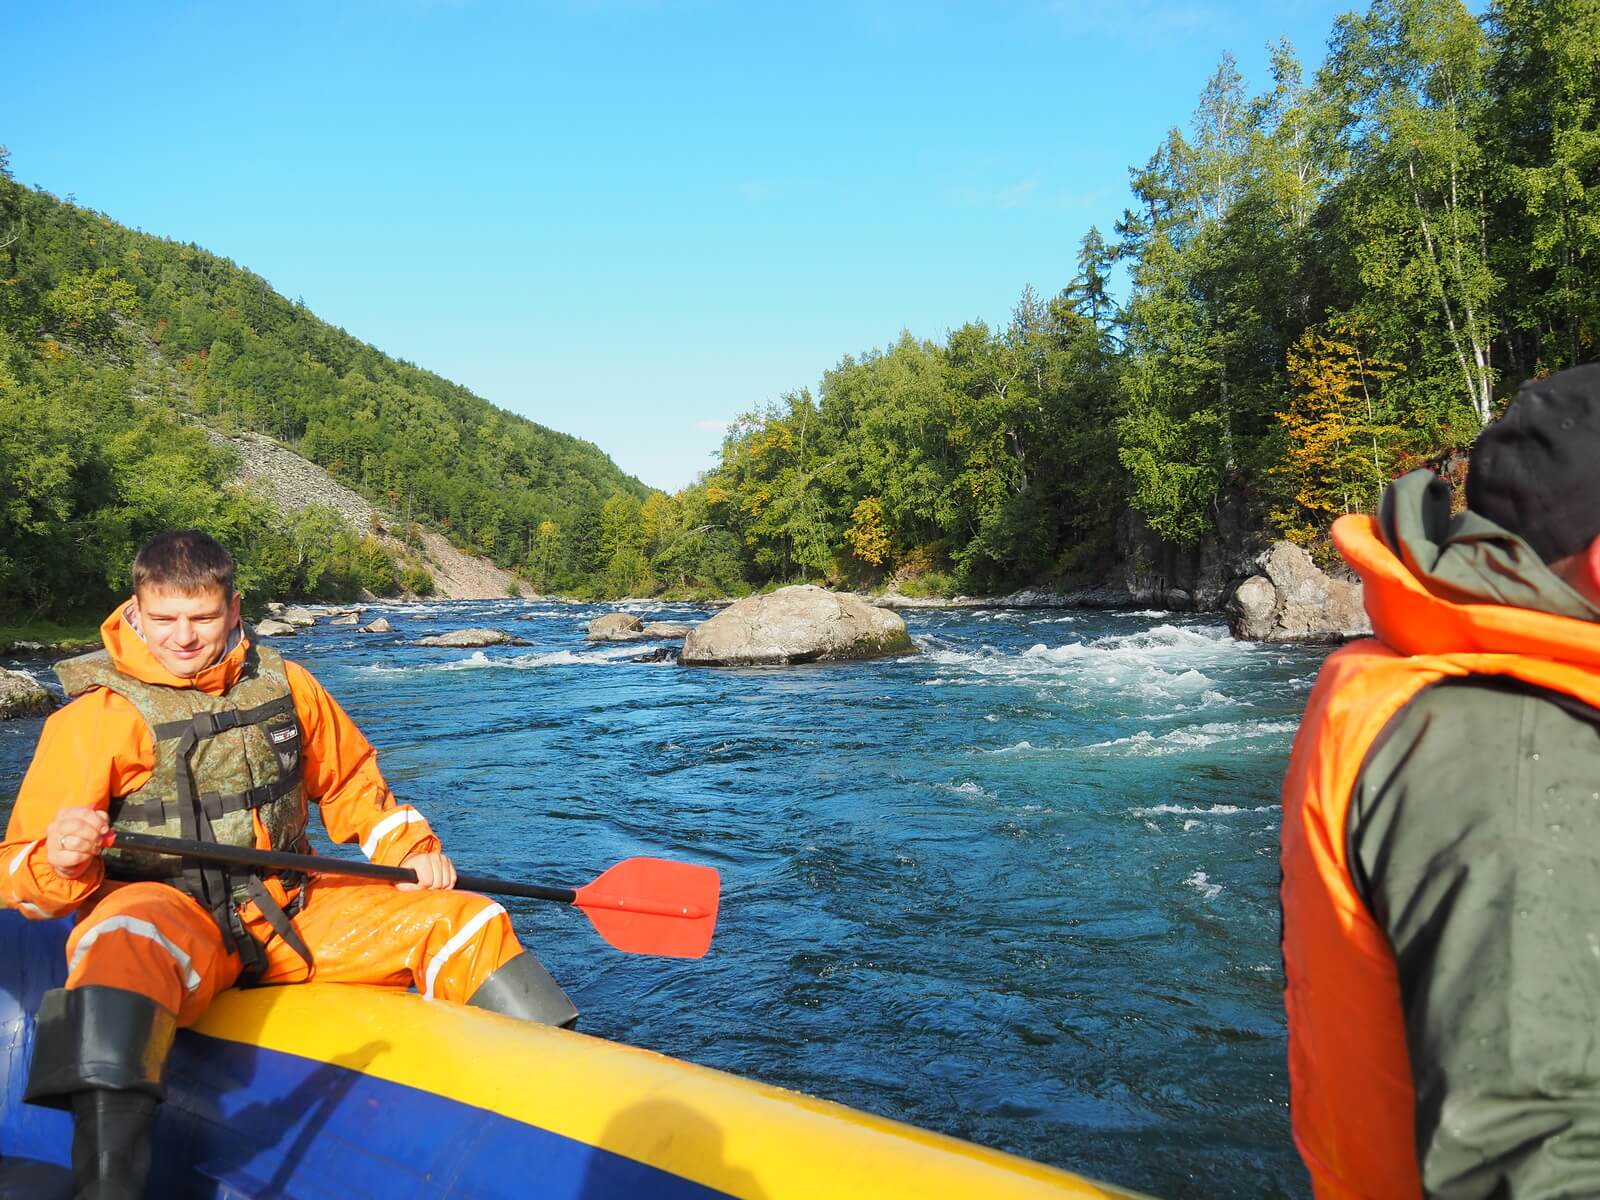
183, 726
1441, 833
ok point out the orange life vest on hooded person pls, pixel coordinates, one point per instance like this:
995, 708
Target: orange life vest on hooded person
1351, 1092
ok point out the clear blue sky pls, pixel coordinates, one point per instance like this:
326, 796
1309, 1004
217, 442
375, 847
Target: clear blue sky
627, 220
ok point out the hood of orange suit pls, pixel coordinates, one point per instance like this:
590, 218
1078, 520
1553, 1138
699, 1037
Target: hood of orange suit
1437, 582
131, 656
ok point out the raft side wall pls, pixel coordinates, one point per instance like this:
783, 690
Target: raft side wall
326, 1091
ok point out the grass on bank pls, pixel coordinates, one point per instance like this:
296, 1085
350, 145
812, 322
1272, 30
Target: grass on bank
70, 633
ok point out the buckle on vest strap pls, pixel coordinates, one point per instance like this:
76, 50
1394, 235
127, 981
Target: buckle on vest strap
209, 724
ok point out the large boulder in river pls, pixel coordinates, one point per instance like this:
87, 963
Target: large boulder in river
614, 627
472, 637
1293, 600
272, 627
381, 625
22, 696
298, 616
795, 625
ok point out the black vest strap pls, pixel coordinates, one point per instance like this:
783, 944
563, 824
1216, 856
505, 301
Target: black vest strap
155, 812
278, 918
209, 724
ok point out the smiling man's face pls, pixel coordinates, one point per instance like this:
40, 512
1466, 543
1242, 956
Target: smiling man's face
186, 631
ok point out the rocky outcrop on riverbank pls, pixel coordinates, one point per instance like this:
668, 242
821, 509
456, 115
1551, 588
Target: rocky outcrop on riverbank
1271, 591
1292, 600
273, 627
23, 696
795, 625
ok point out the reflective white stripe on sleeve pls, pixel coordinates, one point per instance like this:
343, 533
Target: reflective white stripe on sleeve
463, 935
21, 856
395, 820
33, 910
139, 928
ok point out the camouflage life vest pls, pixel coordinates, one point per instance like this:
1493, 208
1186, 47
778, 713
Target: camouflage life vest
219, 761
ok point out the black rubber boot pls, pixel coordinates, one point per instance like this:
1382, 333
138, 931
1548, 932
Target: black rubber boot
522, 988
111, 1143
97, 1037
99, 1051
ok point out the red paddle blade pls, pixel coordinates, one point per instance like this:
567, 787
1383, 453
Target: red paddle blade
651, 906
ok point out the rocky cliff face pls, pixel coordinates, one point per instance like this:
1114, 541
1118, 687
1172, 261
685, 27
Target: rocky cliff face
292, 483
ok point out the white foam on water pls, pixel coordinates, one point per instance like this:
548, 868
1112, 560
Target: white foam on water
969, 788
478, 661
1206, 810
1201, 882
1017, 749
1194, 737
1191, 823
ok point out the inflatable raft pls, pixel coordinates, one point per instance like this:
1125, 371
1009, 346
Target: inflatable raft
322, 1090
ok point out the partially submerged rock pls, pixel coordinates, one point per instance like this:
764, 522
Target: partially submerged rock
272, 627
381, 625
794, 625
1292, 600
614, 627
295, 615
625, 627
661, 654
665, 629
348, 619
23, 696
461, 638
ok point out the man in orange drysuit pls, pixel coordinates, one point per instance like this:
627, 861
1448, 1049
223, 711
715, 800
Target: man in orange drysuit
183, 726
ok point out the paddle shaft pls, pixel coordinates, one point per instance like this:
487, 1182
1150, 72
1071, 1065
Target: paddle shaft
275, 860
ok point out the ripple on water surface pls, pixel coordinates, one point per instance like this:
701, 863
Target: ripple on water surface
1020, 887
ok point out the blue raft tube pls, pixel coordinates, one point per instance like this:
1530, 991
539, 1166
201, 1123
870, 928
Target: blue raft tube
341, 1092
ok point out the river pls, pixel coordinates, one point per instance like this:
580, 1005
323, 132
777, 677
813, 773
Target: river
1020, 888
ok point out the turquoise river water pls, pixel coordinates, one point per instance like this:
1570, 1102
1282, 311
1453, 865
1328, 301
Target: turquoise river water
1020, 887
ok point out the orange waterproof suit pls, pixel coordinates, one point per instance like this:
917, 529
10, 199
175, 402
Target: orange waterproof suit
151, 938
1350, 1077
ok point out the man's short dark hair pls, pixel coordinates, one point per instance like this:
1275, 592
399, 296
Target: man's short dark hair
183, 560
1536, 471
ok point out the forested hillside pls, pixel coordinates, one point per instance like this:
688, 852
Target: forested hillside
113, 344
1327, 281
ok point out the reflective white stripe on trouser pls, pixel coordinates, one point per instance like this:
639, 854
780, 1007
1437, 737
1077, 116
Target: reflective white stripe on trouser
463, 935
139, 928
395, 820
